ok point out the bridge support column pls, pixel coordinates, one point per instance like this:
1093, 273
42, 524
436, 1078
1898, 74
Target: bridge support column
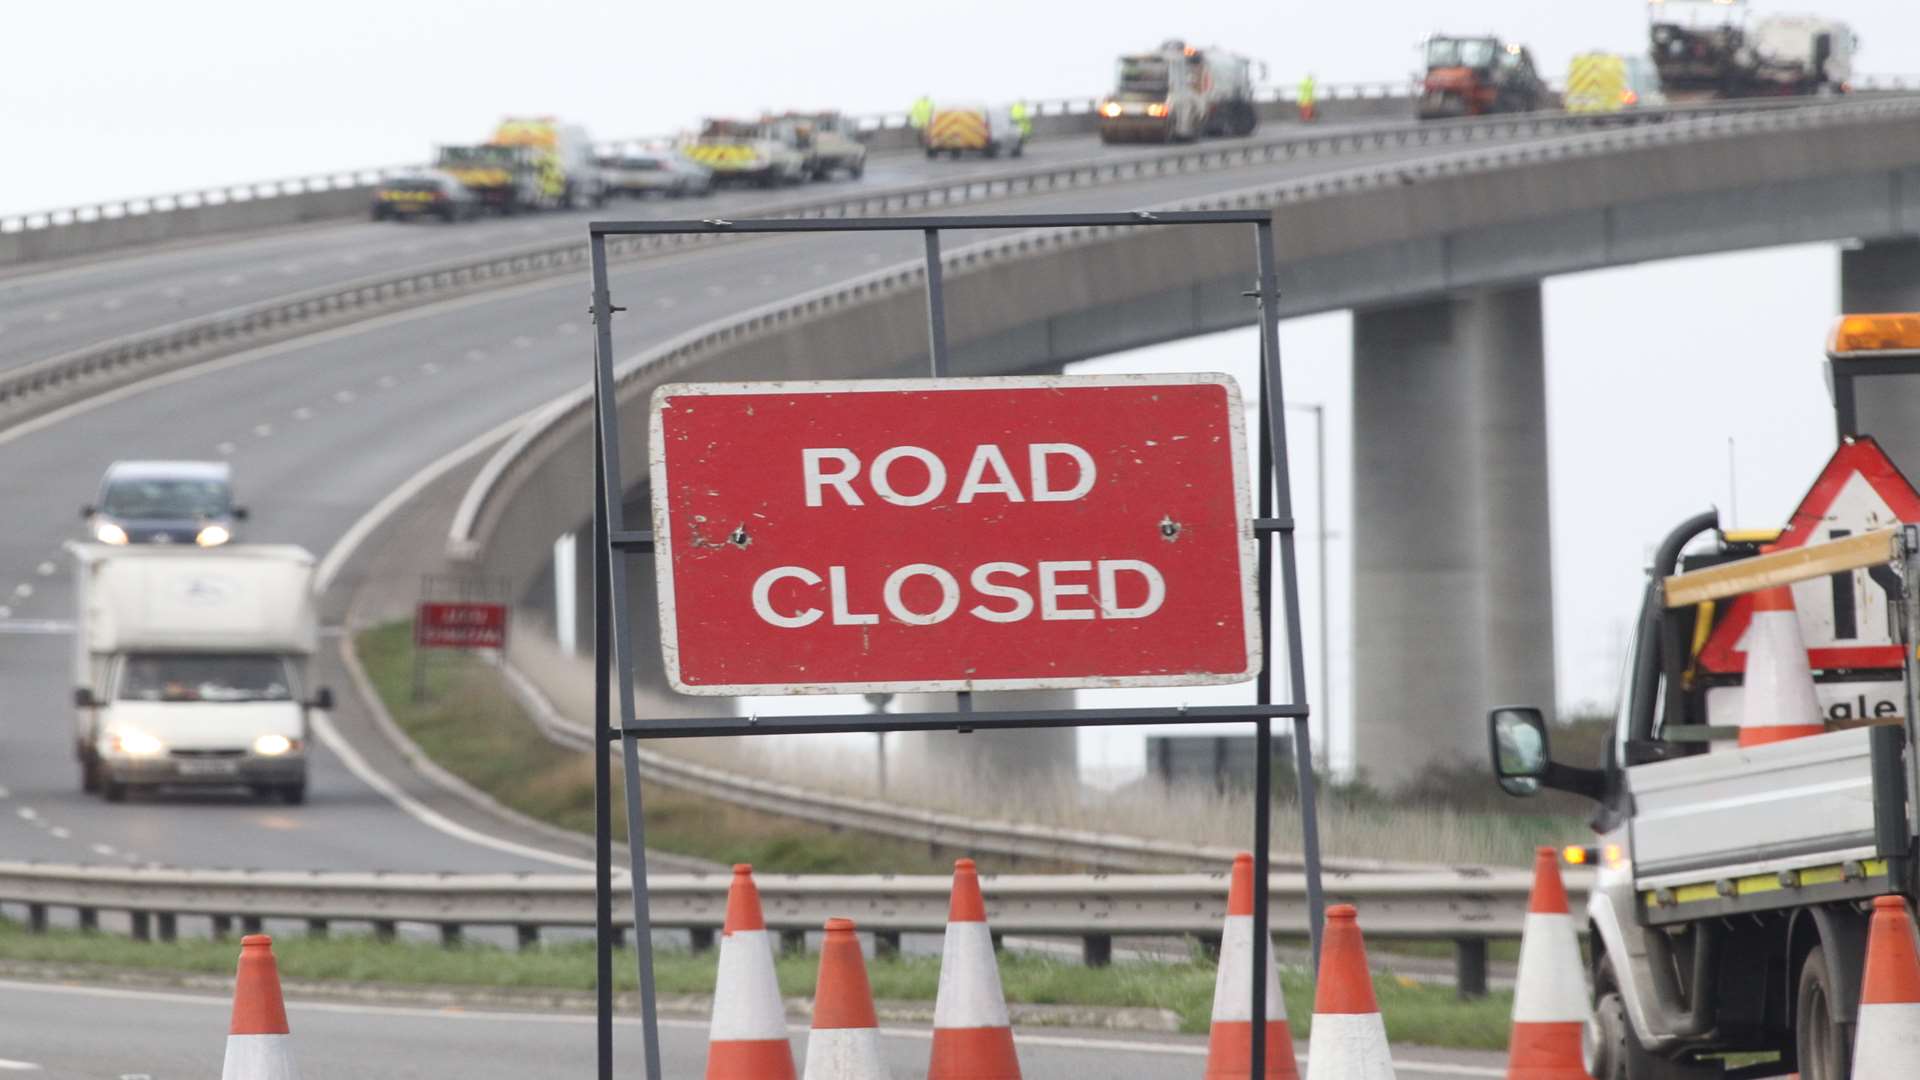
1453, 592
1882, 276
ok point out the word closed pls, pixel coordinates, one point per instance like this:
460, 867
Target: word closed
444, 625
966, 534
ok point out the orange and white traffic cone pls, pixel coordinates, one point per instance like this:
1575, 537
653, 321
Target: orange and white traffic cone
1887, 1040
259, 1046
748, 1039
1349, 1039
845, 1041
972, 1037
1777, 701
1550, 991
1230, 1042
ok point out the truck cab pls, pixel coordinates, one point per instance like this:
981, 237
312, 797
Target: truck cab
1757, 791
192, 669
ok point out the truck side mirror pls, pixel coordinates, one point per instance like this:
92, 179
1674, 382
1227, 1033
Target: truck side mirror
83, 697
1518, 735
323, 699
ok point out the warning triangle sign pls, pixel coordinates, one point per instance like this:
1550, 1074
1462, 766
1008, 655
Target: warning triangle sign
1846, 619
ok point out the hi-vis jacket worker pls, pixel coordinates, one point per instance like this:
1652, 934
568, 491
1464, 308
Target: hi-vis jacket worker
1307, 86
921, 112
1022, 119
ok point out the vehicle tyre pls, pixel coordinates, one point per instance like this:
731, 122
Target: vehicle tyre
450, 215
294, 794
1824, 1045
114, 790
1612, 1048
379, 213
858, 169
89, 773
1020, 147
932, 153
992, 150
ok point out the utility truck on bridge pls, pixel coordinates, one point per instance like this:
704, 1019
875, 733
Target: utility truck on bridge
1708, 49
1759, 787
191, 668
1178, 93
1477, 75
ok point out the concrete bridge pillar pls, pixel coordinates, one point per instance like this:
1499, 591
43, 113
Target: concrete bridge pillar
1453, 591
1881, 276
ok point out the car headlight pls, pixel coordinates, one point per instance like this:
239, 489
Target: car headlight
138, 744
272, 745
213, 536
108, 533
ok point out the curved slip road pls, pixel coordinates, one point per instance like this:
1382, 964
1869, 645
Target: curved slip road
320, 429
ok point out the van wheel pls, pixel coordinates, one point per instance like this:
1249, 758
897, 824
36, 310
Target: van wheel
1612, 1049
1825, 1045
89, 773
294, 794
114, 790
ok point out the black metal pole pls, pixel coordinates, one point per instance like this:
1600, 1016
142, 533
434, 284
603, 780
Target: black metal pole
938, 361
1273, 400
1263, 752
602, 780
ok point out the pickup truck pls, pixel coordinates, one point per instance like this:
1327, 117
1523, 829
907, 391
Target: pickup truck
1729, 911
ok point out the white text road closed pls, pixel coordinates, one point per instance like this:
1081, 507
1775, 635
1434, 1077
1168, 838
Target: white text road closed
954, 535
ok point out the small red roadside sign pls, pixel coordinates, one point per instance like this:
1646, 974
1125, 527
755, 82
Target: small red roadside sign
962, 534
445, 625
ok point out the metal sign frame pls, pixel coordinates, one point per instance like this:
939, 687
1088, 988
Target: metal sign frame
614, 542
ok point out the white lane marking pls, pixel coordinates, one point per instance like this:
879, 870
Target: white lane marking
51, 627
7, 1065
4, 792
343, 396
27, 813
476, 354
263, 430
23, 590
61, 832
522, 342
429, 368
1027, 1036
113, 303
45, 569
303, 413
225, 449
103, 850
386, 382
425, 815
5, 612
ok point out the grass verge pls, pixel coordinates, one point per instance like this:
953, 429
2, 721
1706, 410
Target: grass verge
472, 726
1415, 1013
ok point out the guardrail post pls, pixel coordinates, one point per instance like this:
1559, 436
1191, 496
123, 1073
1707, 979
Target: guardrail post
1209, 946
793, 941
999, 942
1097, 950
700, 939
619, 935
450, 935
527, 935
886, 943
37, 918
251, 924
222, 926
1470, 967
142, 925
89, 918
385, 930
167, 926
316, 928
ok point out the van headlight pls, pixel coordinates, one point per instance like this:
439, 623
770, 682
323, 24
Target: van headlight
108, 533
213, 536
138, 744
272, 745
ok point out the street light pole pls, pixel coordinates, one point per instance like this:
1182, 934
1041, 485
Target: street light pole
1325, 711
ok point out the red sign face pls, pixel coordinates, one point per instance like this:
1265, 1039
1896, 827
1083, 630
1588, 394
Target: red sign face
967, 534
438, 625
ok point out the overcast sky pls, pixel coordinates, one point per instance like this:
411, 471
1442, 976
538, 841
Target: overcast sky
1650, 369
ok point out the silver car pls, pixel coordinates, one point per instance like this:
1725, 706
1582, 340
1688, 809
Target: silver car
656, 173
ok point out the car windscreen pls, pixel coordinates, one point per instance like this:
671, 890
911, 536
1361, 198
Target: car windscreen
1143, 77
643, 164
1455, 52
421, 184
165, 497
204, 677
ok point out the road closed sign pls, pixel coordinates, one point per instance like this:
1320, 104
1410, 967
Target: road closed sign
966, 534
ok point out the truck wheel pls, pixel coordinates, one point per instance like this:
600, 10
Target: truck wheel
294, 794
89, 774
114, 790
1825, 1045
858, 170
1612, 1048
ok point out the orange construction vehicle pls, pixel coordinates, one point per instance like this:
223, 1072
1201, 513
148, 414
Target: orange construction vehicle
1474, 76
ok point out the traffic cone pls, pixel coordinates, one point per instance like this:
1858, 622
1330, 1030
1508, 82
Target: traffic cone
1777, 702
748, 1040
1550, 991
1230, 1043
1349, 1039
1887, 1040
258, 1044
845, 1041
972, 1037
